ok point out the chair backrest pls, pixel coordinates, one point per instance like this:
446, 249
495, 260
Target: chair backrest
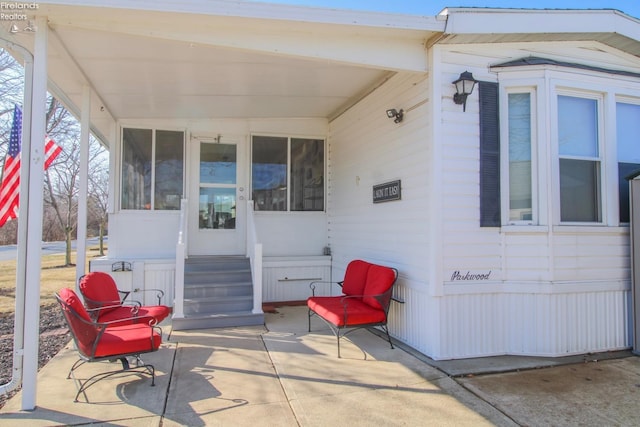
380, 281
99, 290
355, 277
83, 330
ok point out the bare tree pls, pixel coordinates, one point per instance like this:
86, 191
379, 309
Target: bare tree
98, 196
62, 185
61, 178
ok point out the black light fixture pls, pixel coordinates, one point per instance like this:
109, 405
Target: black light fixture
464, 86
395, 114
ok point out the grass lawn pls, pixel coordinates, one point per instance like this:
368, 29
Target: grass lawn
53, 277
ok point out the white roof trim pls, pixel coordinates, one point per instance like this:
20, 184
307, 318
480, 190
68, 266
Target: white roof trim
536, 21
256, 10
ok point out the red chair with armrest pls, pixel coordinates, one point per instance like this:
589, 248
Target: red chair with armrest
106, 303
103, 341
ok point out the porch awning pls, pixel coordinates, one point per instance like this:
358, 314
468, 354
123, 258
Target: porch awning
221, 59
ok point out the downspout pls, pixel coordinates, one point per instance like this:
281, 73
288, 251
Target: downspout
18, 324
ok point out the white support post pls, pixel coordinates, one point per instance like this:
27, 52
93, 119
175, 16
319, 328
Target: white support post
81, 234
34, 219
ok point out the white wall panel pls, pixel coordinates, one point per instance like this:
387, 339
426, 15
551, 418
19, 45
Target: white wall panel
367, 148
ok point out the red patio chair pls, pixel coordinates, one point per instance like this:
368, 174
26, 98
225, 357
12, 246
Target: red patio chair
105, 304
367, 291
100, 341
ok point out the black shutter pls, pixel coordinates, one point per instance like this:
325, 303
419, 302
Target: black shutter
489, 155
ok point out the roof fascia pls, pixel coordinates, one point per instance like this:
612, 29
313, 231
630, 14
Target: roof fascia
249, 9
380, 47
539, 21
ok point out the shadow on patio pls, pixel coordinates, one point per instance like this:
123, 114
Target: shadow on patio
274, 375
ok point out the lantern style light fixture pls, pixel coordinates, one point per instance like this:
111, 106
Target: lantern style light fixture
464, 86
396, 115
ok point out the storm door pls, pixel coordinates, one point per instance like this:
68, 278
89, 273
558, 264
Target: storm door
217, 200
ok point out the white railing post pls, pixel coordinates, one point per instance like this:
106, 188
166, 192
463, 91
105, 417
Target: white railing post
181, 254
254, 252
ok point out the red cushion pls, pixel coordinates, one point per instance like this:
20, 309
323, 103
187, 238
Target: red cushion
98, 287
358, 313
355, 277
72, 300
128, 339
78, 319
158, 312
379, 280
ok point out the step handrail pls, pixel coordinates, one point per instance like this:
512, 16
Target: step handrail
181, 255
254, 252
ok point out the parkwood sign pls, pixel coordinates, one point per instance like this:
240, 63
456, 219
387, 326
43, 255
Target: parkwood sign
457, 276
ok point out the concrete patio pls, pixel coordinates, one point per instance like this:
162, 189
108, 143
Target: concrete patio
281, 375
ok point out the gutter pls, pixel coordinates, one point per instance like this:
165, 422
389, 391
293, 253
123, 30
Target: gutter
18, 324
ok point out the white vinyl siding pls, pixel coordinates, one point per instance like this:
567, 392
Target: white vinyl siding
365, 148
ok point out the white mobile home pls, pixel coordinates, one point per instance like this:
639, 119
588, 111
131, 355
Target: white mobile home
268, 133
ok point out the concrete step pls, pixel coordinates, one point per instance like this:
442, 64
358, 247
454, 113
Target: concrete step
218, 290
222, 320
217, 305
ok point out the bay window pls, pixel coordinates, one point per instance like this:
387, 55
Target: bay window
627, 135
579, 159
520, 157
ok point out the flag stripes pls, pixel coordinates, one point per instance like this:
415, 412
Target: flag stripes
10, 185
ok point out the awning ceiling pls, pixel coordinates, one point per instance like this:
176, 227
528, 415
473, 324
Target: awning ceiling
209, 59
161, 65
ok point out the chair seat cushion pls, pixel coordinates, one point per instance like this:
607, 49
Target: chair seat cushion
129, 339
358, 312
158, 312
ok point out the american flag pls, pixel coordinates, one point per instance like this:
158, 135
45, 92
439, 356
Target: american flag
10, 185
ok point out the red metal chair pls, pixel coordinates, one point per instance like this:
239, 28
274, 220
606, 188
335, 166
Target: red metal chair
367, 291
105, 304
102, 341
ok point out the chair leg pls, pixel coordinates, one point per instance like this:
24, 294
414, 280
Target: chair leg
386, 331
140, 367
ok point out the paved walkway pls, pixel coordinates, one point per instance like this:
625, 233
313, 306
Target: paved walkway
282, 375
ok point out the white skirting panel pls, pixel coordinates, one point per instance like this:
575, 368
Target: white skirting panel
551, 324
414, 322
288, 278
160, 276
141, 274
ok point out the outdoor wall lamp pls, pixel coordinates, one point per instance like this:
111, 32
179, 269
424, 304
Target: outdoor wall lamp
464, 86
396, 115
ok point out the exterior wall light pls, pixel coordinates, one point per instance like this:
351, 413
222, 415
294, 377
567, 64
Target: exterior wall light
396, 115
464, 86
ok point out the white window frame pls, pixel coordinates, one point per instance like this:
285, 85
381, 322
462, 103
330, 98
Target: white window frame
290, 137
153, 130
533, 91
599, 97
